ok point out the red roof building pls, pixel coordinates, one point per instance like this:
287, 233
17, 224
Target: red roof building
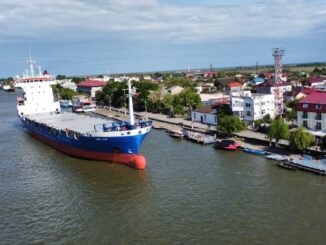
312, 112
313, 81
90, 87
91, 83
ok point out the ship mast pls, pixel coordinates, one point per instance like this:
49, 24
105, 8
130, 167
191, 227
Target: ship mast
131, 107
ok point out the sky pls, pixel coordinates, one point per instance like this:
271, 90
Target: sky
83, 37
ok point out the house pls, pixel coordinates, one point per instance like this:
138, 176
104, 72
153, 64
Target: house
233, 87
90, 87
269, 87
205, 115
257, 80
203, 87
207, 74
298, 93
214, 99
311, 113
313, 81
175, 90
253, 106
69, 84
147, 77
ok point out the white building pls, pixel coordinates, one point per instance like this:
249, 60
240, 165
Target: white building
175, 90
250, 107
205, 115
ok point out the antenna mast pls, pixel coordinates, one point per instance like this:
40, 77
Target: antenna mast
278, 53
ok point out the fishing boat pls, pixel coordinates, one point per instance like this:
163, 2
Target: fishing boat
78, 135
254, 151
230, 145
277, 157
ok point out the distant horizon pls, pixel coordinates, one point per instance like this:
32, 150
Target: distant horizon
132, 36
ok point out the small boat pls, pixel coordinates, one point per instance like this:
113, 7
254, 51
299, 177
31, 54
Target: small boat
286, 165
8, 88
82, 104
65, 103
254, 151
277, 157
176, 134
230, 145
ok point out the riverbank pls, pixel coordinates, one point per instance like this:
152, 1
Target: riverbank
246, 138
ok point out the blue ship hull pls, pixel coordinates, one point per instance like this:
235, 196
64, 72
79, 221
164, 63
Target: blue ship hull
114, 149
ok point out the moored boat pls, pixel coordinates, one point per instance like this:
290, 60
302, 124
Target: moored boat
254, 151
82, 104
176, 134
285, 165
277, 157
226, 145
74, 134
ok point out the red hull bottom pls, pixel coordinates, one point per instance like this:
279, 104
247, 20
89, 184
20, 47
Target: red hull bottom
132, 160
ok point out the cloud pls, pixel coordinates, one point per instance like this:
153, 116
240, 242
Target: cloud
151, 19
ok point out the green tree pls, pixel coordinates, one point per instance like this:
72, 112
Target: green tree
300, 139
222, 110
278, 130
230, 124
77, 79
61, 77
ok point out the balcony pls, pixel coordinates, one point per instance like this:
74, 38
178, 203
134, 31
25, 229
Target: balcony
318, 117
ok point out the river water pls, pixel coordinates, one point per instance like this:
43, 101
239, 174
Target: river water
189, 194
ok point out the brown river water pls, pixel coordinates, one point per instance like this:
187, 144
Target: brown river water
189, 194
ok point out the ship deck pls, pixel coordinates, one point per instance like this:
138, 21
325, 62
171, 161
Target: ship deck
65, 120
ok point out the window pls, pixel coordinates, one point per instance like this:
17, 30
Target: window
305, 124
318, 106
248, 104
305, 106
248, 113
318, 126
304, 114
263, 112
318, 116
194, 115
205, 117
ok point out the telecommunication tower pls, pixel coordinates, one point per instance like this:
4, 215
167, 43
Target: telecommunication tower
278, 53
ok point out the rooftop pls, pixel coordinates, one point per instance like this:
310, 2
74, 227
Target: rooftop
91, 83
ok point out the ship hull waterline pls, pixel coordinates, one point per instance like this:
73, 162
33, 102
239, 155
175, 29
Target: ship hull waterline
135, 161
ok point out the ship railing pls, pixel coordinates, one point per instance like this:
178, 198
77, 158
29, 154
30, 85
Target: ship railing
121, 126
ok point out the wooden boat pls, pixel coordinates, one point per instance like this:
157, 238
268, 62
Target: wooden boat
230, 145
254, 151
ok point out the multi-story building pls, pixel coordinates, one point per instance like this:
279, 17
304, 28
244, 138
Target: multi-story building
311, 113
253, 106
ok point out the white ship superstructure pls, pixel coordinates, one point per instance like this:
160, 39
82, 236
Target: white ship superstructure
38, 96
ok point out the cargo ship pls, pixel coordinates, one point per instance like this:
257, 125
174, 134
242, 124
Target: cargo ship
77, 135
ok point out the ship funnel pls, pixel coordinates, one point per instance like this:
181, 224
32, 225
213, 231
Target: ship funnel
131, 106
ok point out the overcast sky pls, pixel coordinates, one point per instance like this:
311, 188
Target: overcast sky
75, 37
